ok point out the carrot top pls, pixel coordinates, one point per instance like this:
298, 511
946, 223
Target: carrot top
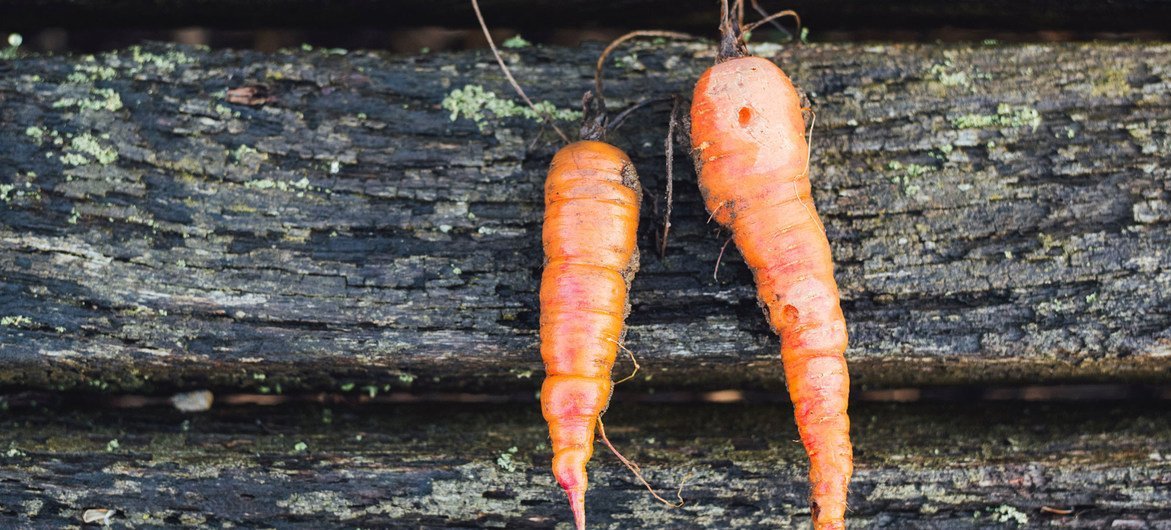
732, 28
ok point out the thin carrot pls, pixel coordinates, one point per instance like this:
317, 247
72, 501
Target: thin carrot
592, 198
749, 144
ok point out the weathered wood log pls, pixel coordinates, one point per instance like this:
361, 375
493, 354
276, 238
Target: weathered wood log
988, 466
998, 214
538, 16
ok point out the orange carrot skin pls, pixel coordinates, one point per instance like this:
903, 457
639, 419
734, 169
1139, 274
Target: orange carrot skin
592, 198
748, 140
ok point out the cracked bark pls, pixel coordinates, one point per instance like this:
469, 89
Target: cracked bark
997, 213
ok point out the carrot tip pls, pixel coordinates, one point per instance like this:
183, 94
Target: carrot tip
577, 504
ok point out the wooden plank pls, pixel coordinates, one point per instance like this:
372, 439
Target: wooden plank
982, 465
539, 17
998, 214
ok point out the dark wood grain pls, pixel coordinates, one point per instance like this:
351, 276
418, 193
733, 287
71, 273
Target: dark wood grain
997, 213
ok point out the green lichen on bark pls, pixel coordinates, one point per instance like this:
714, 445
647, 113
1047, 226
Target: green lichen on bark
1006, 116
475, 103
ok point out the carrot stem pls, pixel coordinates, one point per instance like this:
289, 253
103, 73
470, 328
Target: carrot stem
731, 40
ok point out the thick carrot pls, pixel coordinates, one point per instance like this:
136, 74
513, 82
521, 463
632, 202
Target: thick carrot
749, 145
592, 198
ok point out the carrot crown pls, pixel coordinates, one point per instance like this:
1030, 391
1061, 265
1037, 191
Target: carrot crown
732, 44
593, 118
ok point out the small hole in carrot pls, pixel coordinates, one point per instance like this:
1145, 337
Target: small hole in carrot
745, 116
790, 314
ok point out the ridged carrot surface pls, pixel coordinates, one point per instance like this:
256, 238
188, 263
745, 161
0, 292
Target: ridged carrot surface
748, 140
592, 199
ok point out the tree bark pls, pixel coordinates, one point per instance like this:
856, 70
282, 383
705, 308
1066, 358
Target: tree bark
985, 465
997, 214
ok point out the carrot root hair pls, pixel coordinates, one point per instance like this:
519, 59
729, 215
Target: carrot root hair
809, 160
716, 269
634, 468
613, 124
594, 124
772, 18
760, 10
617, 42
670, 148
632, 359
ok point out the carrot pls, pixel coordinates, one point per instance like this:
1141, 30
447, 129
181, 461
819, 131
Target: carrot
592, 198
749, 145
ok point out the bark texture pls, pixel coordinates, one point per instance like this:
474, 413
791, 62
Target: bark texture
997, 214
986, 466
